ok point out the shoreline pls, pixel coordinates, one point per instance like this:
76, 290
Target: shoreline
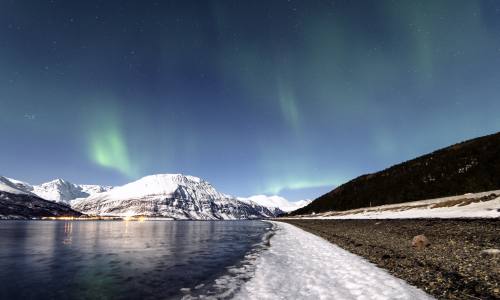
301, 265
452, 267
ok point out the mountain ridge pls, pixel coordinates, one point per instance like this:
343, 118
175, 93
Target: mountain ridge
57, 190
60, 190
171, 195
175, 196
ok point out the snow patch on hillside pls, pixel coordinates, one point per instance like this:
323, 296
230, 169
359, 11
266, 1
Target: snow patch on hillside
21, 185
300, 265
9, 186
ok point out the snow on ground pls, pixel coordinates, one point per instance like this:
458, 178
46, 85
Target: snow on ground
300, 265
462, 206
489, 209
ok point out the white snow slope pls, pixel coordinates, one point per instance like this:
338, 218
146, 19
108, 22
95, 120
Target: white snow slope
447, 207
300, 265
9, 186
275, 201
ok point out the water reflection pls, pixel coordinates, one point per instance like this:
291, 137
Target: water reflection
117, 259
68, 230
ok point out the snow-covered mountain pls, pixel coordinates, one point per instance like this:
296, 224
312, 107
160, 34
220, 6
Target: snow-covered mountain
17, 202
165, 195
58, 190
275, 202
171, 195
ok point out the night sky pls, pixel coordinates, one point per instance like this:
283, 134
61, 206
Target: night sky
287, 97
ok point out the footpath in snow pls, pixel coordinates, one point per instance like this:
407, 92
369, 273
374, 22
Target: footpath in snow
300, 265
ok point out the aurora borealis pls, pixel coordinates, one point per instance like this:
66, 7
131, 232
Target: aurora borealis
288, 97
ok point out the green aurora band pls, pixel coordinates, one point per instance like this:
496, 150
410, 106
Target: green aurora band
107, 145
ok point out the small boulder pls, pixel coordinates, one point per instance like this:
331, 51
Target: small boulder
420, 242
490, 253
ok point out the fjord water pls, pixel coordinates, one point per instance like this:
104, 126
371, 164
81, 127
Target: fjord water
119, 259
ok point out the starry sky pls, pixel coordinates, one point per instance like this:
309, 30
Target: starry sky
274, 97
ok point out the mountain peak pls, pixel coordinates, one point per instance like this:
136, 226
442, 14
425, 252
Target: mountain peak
57, 181
177, 178
164, 184
60, 180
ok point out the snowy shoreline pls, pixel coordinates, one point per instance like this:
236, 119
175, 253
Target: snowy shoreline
300, 265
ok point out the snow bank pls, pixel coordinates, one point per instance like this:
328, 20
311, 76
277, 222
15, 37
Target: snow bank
446, 207
488, 209
300, 265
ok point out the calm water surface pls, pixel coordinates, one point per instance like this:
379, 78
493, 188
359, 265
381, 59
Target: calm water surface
119, 259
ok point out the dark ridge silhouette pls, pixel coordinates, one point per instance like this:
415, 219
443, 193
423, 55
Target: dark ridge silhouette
19, 206
466, 167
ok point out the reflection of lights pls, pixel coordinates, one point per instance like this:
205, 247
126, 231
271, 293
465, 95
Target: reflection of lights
68, 227
68, 230
83, 218
97, 218
126, 225
60, 218
134, 218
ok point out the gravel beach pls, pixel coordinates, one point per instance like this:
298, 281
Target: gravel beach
453, 266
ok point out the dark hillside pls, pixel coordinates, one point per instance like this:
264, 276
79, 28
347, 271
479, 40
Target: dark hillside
470, 166
14, 206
